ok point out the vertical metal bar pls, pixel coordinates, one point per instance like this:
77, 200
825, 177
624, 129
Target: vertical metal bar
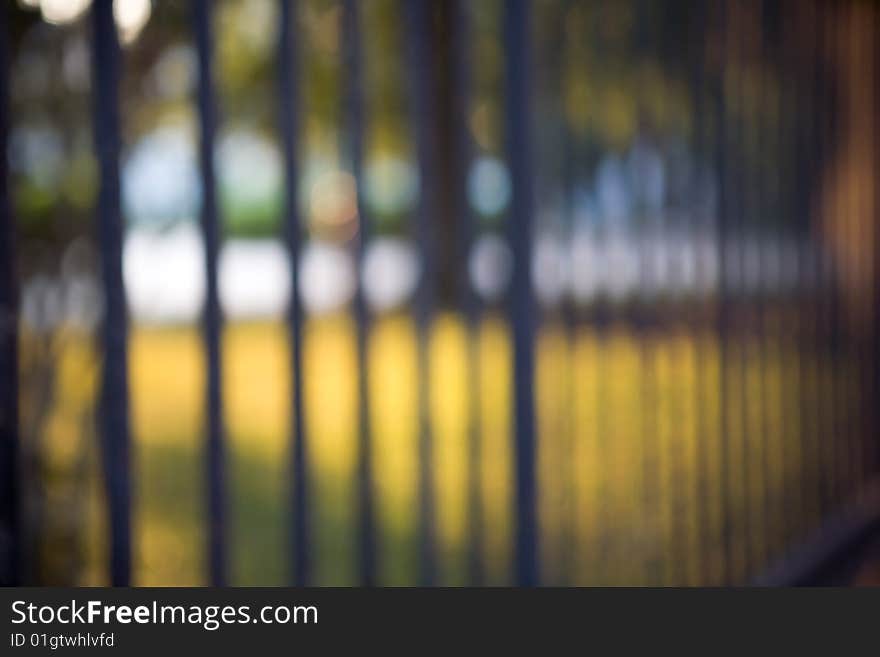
842, 277
518, 134
576, 172
854, 384
826, 300
114, 422
776, 322
827, 145
669, 330
875, 401
605, 317
353, 105
695, 230
807, 485
860, 360
789, 336
754, 381
736, 278
592, 317
10, 504
825, 438
696, 28
289, 103
568, 313
549, 154
419, 32
857, 355
461, 85
674, 329
723, 309
760, 234
212, 320
861, 353
793, 220
644, 231
813, 485
740, 216
660, 327
874, 440
773, 346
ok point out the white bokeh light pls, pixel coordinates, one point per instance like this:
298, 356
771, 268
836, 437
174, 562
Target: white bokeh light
60, 12
131, 16
164, 274
390, 273
326, 277
621, 267
586, 266
549, 269
490, 267
254, 279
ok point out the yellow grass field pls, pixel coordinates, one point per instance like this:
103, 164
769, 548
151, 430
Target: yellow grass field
632, 463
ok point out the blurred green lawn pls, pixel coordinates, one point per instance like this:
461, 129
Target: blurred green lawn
631, 461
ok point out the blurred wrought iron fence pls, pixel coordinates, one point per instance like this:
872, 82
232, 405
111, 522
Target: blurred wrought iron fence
751, 297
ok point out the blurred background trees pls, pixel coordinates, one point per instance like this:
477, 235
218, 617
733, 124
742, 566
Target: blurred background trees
627, 134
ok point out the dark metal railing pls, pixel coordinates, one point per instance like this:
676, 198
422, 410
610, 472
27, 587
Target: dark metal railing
288, 93
424, 102
11, 561
114, 401
762, 140
517, 82
212, 320
354, 103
